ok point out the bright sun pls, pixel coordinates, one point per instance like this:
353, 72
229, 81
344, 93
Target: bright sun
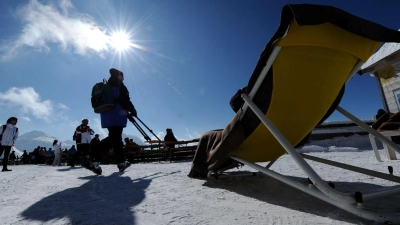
120, 41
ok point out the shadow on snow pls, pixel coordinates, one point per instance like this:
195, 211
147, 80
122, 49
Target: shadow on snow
108, 200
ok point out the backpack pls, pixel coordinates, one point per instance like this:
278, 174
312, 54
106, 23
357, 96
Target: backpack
103, 97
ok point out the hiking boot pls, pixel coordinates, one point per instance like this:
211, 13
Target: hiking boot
123, 166
5, 170
86, 162
95, 168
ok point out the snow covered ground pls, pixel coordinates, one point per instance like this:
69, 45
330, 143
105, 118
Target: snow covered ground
161, 193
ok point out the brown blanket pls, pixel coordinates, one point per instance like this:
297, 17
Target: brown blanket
216, 147
388, 121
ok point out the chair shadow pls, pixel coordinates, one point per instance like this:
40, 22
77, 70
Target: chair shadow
106, 200
272, 191
70, 168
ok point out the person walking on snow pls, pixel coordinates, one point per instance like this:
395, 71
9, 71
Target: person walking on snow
8, 136
82, 139
114, 120
57, 153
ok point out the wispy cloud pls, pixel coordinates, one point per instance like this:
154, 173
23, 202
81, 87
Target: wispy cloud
26, 118
28, 101
192, 134
63, 26
62, 106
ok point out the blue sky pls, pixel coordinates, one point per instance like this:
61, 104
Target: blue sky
182, 62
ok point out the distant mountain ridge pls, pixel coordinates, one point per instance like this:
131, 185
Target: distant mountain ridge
30, 140
35, 134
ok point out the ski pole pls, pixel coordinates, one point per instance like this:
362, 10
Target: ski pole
148, 129
140, 130
130, 117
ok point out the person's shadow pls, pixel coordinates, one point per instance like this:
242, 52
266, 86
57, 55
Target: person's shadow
106, 200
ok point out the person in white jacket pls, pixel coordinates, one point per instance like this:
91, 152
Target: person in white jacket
82, 137
8, 136
57, 153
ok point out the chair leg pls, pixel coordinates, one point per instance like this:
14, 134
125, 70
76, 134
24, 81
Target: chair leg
314, 177
390, 153
381, 137
374, 147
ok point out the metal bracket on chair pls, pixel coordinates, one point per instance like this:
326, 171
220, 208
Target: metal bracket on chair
385, 140
315, 178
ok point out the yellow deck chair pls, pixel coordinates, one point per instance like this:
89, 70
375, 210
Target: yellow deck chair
299, 78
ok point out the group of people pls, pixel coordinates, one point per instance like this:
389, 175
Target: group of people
91, 149
84, 142
114, 120
39, 155
131, 145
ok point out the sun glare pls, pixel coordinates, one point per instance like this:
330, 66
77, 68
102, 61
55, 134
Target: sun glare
120, 41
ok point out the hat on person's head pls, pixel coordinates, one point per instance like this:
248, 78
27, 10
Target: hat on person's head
12, 118
96, 135
115, 72
85, 119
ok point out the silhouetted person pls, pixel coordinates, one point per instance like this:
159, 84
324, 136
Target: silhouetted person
36, 154
71, 152
114, 120
94, 144
128, 143
170, 137
25, 157
12, 157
